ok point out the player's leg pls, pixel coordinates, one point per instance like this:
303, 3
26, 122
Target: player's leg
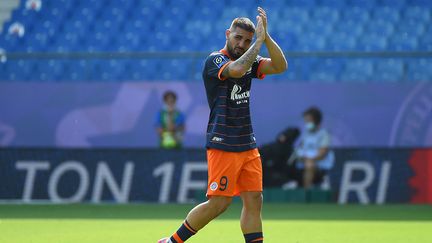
199, 217
309, 173
222, 173
250, 188
250, 221
202, 214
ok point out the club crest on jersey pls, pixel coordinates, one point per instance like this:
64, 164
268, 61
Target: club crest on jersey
219, 60
213, 186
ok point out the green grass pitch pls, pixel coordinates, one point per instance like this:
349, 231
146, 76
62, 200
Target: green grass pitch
146, 223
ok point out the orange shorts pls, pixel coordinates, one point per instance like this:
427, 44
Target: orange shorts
230, 173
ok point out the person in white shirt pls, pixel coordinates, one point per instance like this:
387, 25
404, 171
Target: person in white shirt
313, 153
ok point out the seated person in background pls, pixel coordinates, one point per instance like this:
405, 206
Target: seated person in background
170, 123
274, 157
313, 154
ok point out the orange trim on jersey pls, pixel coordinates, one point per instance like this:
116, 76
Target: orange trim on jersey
259, 74
221, 70
223, 51
259, 239
177, 238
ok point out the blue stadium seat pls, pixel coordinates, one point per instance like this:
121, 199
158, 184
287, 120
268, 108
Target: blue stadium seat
388, 14
389, 70
425, 42
273, 3
379, 27
356, 14
326, 14
295, 14
341, 42
358, 70
362, 3
420, 70
422, 3
333, 65
399, 4
145, 69
190, 25
338, 4
403, 42
175, 69
411, 28
20, 70
302, 3
311, 42
318, 27
372, 42
288, 26
417, 14
349, 27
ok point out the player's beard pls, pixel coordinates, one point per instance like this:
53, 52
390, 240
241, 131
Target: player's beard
233, 53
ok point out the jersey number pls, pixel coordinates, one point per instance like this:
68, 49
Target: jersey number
223, 183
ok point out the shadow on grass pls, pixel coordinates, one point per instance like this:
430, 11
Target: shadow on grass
176, 211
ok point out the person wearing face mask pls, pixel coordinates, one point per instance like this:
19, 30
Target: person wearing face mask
314, 157
170, 123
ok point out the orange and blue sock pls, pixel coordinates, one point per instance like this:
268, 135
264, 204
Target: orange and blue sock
254, 237
183, 233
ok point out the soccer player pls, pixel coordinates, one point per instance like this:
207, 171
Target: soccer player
234, 165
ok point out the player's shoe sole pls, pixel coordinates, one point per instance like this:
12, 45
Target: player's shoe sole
164, 240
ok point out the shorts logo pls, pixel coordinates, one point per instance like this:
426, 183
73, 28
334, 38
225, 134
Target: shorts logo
219, 61
214, 186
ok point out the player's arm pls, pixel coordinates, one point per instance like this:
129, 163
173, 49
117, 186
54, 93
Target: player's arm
239, 67
277, 62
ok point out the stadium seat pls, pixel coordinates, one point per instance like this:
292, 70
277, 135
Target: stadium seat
372, 42
420, 70
356, 14
341, 42
191, 26
403, 42
357, 70
387, 14
389, 70
417, 14
295, 14
349, 27
312, 42
411, 28
362, 3
379, 27
397, 4
326, 14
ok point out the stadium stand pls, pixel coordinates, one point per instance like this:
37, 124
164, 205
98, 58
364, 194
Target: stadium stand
198, 26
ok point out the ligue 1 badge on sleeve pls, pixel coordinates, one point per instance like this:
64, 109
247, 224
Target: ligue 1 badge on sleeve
219, 61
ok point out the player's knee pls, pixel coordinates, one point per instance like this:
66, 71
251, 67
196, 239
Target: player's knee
219, 204
252, 200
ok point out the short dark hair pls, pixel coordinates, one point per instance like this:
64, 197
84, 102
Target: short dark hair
243, 23
315, 113
168, 94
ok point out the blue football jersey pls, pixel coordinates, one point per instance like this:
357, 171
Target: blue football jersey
229, 127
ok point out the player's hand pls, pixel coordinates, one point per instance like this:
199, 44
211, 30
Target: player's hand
262, 13
260, 31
